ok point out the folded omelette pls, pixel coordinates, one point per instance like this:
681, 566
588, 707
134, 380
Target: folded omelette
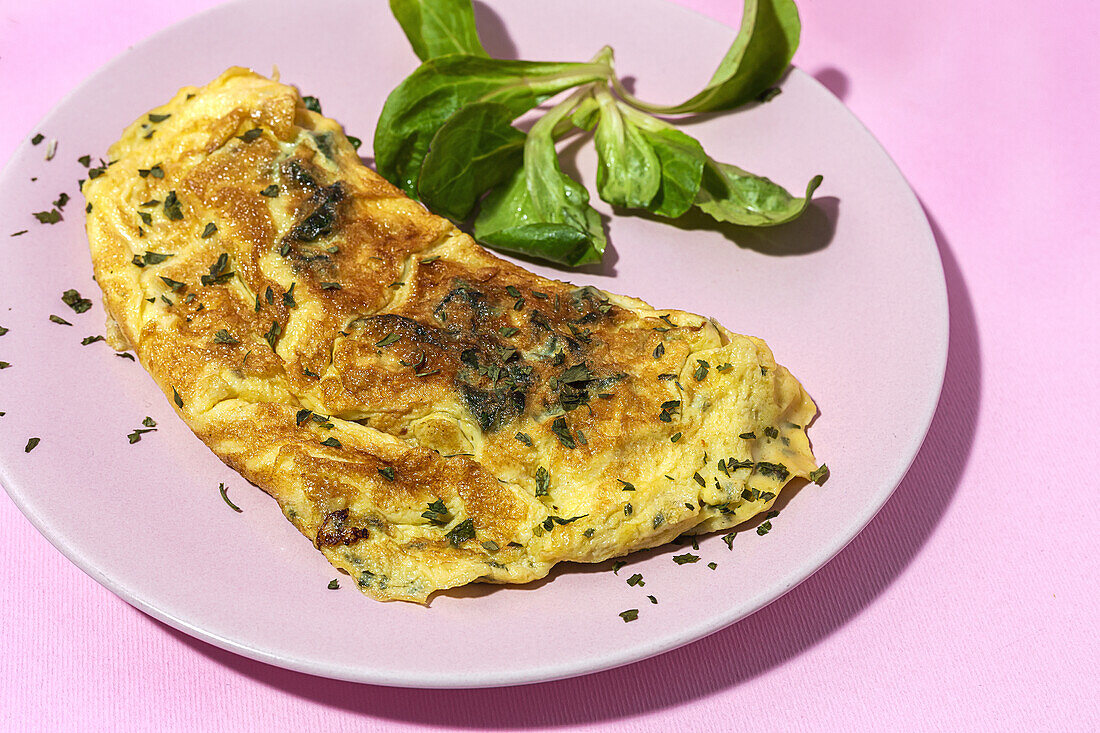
427, 414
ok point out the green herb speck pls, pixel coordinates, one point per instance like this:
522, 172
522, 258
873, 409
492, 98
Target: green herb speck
222, 491
272, 335
390, 338
462, 532
701, 370
72, 299
542, 482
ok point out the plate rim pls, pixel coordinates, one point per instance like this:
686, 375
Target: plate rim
550, 672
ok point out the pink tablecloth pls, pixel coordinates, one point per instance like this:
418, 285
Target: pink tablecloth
970, 601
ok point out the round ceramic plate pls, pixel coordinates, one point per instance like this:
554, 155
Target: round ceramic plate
851, 298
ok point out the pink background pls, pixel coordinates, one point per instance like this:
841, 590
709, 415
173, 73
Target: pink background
971, 599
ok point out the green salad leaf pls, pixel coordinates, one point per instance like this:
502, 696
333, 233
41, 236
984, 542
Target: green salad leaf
629, 172
760, 53
438, 27
448, 136
416, 110
733, 195
541, 211
476, 149
680, 161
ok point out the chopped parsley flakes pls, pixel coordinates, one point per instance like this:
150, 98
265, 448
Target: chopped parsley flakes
72, 299
462, 532
820, 475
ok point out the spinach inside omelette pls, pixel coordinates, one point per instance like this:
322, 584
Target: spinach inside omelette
426, 413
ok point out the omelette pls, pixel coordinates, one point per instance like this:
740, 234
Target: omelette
427, 414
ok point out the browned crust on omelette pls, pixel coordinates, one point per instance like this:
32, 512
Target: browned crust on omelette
360, 359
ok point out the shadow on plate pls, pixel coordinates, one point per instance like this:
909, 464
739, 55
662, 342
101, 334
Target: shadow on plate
810, 232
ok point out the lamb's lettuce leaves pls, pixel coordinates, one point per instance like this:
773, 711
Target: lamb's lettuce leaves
628, 173
438, 27
760, 53
682, 160
733, 195
425, 100
475, 150
446, 136
542, 212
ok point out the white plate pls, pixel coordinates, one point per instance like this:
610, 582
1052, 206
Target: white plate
851, 298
